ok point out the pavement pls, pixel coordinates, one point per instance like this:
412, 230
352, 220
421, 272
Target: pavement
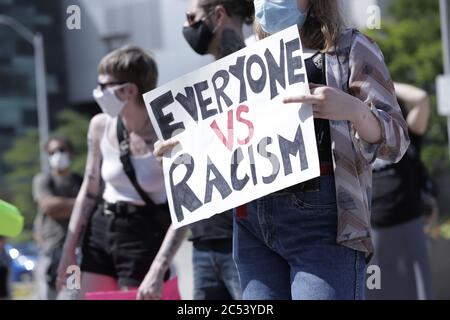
27, 289
183, 266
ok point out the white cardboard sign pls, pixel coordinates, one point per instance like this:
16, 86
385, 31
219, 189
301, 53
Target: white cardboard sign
238, 141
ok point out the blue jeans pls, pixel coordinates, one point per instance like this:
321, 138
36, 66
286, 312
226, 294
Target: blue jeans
215, 273
285, 248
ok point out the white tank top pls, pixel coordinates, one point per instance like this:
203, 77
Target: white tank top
118, 187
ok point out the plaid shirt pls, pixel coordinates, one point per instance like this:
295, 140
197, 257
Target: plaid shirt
357, 67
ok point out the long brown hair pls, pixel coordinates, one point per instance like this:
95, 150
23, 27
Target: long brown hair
322, 27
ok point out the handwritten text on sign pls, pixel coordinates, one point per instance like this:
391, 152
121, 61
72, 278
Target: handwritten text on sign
238, 141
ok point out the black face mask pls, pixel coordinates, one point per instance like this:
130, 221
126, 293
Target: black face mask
199, 36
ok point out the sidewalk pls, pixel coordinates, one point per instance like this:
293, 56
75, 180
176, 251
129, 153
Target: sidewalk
183, 265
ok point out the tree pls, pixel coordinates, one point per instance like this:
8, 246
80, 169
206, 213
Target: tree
410, 39
22, 160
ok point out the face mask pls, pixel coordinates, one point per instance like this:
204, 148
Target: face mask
277, 15
59, 160
199, 36
108, 101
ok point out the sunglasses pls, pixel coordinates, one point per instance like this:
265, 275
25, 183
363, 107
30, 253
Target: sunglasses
61, 150
190, 17
105, 85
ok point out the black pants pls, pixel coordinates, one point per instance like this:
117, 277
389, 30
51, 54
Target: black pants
123, 245
4, 293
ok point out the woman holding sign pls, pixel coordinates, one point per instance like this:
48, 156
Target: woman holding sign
121, 206
312, 240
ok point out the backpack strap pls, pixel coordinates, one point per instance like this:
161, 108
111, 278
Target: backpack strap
125, 158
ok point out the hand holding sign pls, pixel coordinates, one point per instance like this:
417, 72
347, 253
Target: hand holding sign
161, 147
238, 141
333, 104
330, 103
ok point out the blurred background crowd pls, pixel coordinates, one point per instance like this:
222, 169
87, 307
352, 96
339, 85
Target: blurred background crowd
409, 36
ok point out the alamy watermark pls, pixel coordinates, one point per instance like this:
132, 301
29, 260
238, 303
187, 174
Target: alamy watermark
373, 281
73, 281
73, 21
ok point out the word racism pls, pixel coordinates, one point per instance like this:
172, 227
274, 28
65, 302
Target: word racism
234, 107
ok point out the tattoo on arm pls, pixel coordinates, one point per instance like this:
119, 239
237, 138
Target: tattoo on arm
174, 238
89, 192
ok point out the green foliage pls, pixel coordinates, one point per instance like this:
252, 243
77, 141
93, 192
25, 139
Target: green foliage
410, 39
415, 9
25, 236
22, 160
445, 230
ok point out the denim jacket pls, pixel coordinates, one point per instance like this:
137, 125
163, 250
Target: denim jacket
356, 66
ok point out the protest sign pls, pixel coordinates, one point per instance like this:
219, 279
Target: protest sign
238, 141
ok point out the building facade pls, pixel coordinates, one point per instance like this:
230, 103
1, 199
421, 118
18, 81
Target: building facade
17, 76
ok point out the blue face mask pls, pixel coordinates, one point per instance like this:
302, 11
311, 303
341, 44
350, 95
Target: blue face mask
277, 15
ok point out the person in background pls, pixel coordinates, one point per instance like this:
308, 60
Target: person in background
397, 216
215, 27
55, 194
124, 216
312, 240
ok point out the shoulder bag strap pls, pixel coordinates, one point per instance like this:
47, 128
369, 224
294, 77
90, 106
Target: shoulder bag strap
125, 153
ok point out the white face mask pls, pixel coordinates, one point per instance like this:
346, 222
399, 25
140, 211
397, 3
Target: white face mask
108, 101
277, 15
59, 160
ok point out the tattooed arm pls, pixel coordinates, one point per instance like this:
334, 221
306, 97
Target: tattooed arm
87, 197
151, 286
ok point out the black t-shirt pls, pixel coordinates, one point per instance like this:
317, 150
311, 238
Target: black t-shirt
315, 68
396, 188
5, 263
219, 226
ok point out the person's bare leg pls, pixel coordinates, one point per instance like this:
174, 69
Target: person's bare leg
92, 282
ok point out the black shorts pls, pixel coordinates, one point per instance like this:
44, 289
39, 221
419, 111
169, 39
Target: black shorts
122, 246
